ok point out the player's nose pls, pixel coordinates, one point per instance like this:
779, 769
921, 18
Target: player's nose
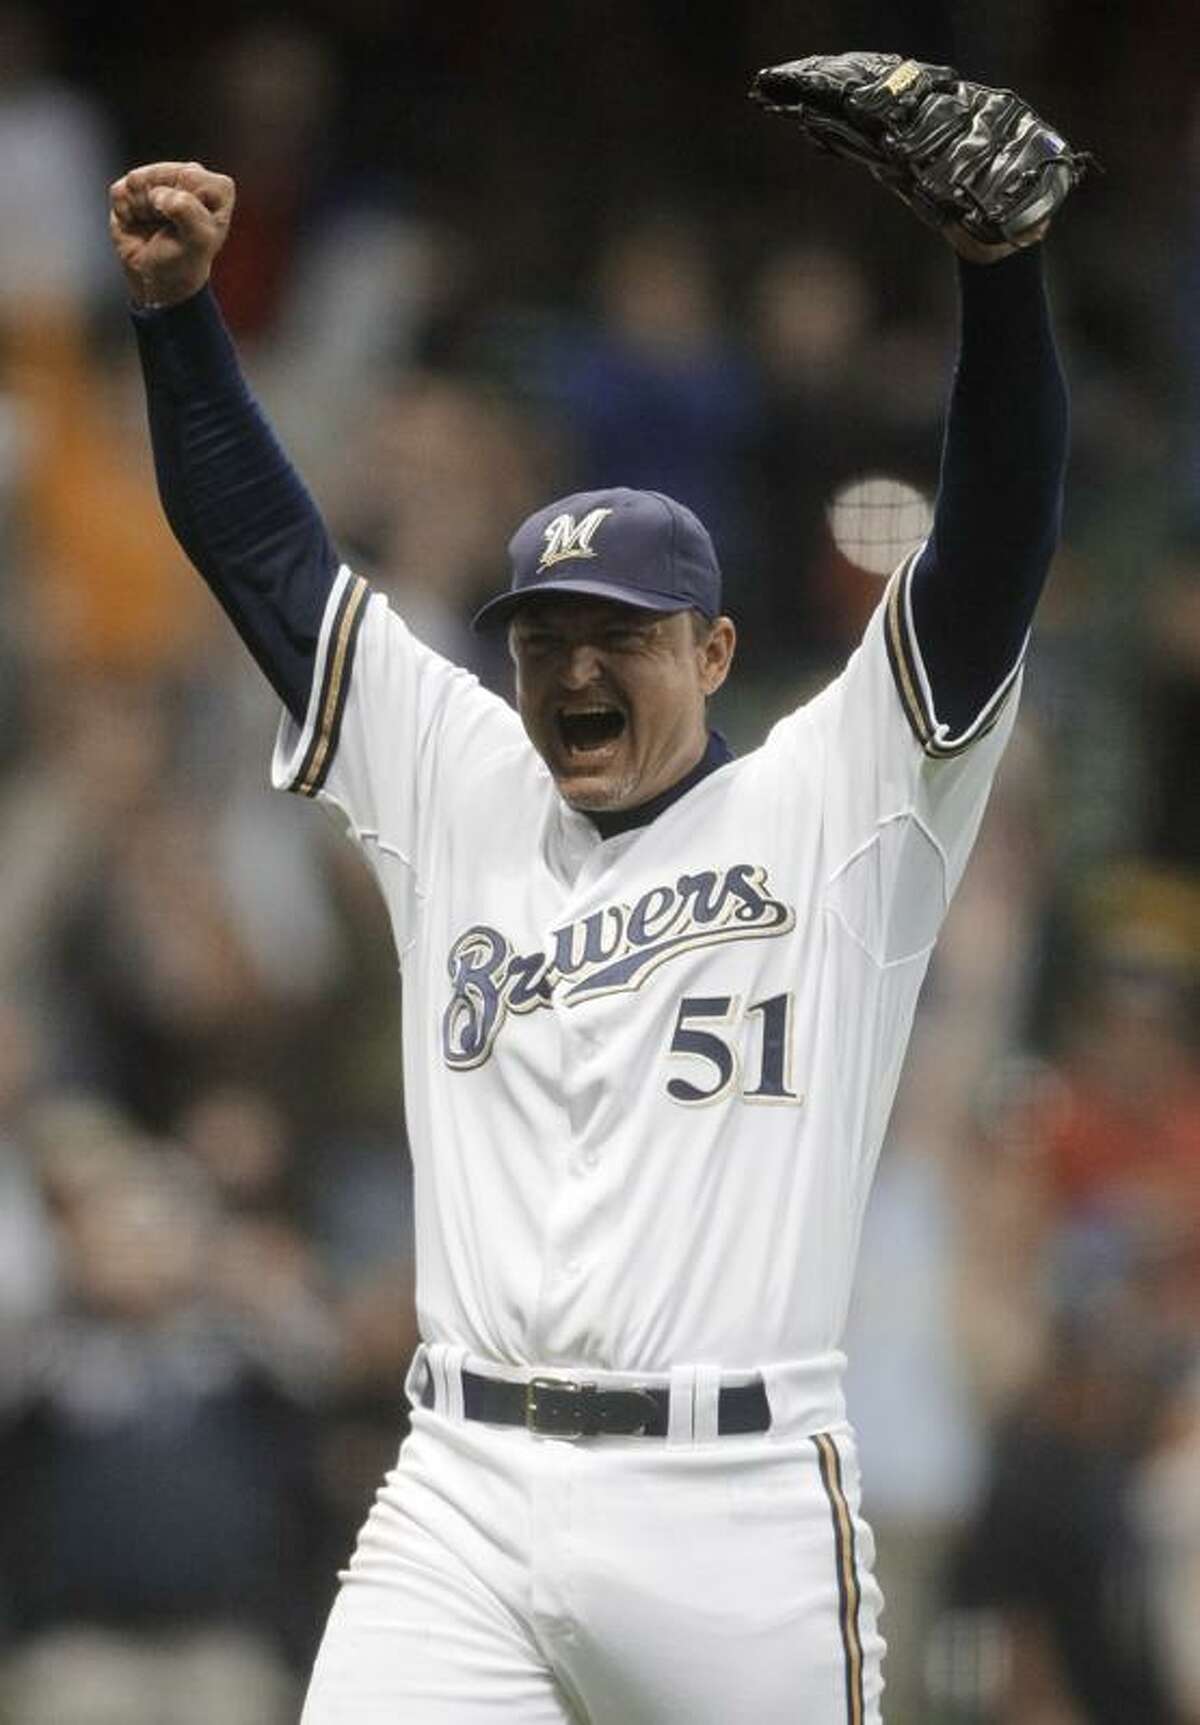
580, 665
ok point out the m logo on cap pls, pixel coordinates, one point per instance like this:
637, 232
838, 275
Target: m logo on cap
565, 538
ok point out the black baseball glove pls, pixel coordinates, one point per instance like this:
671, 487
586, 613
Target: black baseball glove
975, 162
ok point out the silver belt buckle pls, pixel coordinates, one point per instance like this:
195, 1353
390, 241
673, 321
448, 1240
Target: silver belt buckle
556, 1407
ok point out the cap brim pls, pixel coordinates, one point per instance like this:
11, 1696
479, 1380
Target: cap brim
500, 610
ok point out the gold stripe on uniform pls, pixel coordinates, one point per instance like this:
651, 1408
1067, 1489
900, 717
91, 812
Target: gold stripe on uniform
849, 1592
902, 655
901, 659
333, 693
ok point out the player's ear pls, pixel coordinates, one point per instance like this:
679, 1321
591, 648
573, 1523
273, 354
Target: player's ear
714, 652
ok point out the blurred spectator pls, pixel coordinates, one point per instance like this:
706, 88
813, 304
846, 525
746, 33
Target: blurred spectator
377, 291
173, 995
1054, 1556
445, 472
159, 1476
169, 992
318, 1262
269, 104
107, 588
656, 395
1128, 1140
93, 752
56, 159
263, 1266
810, 318
1067, 1565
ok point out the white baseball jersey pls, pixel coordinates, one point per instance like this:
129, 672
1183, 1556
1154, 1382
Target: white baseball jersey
646, 1077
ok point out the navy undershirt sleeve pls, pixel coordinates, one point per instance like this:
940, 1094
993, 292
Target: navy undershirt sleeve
999, 504
234, 501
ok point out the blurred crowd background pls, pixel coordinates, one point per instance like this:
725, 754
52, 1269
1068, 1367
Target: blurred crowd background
484, 254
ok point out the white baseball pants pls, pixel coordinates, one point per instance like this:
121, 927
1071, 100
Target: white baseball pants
507, 1579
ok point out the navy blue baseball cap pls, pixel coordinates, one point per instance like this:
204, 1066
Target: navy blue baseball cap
637, 547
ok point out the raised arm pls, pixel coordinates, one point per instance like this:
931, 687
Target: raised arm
234, 501
996, 521
980, 166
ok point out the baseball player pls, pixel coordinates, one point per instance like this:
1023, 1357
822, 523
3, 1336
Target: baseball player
656, 997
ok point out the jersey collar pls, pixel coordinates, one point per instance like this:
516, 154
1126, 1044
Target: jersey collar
609, 825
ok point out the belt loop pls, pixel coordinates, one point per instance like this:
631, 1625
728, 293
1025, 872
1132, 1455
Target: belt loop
452, 1367
681, 1409
418, 1376
437, 1373
441, 1361
708, 1391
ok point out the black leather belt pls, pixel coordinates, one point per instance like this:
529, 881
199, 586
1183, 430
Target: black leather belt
568, 1408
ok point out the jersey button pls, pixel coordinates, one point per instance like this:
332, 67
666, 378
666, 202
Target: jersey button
591, 1156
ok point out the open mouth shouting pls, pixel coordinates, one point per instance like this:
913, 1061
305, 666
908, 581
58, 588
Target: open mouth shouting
591, 751
588, 732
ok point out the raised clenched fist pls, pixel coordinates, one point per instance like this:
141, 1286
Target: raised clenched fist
168, 221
